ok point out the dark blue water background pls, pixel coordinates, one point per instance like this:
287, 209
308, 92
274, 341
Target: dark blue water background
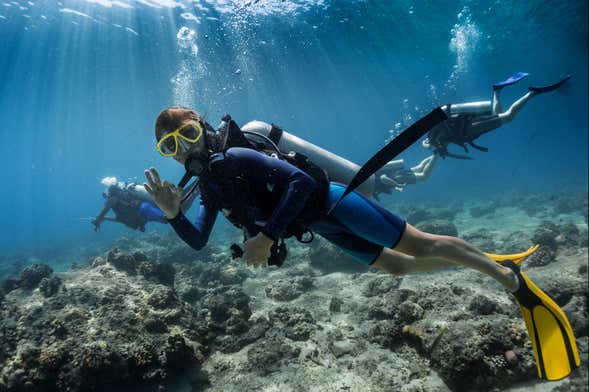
82, 82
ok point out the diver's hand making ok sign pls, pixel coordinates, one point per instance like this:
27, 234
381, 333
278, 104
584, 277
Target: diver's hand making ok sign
166, 195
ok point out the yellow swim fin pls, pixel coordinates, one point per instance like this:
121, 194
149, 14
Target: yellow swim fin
517, 258
553, 342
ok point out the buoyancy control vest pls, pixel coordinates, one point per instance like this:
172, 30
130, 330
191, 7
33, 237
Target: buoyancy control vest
236, 192
126, 207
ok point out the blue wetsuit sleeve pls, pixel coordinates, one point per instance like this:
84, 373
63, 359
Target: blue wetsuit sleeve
197, 235
151, 213
255, 166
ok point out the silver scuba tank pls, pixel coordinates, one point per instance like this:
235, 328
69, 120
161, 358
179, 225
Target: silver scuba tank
478, 108
139, 192
338, 169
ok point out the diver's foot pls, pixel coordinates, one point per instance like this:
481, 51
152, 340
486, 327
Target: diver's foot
511, 281
552, 87
510, 80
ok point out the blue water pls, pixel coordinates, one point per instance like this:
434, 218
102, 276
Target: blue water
83, 81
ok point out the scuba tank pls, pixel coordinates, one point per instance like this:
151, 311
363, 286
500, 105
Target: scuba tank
139, 192
469, 108
338, 169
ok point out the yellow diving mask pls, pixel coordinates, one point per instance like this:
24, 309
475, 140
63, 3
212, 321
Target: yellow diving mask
191, 132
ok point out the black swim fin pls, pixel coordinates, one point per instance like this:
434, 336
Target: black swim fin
552, 87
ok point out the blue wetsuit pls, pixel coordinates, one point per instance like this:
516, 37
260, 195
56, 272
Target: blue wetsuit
278, 192
150, 212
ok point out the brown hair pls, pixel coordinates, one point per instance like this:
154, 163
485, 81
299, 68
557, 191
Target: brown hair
171, 118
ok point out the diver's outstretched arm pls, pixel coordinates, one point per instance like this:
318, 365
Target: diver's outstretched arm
98, 220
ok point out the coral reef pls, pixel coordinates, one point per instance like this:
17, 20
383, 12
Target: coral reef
327, 258
296, 323
150, 312
31, 276
93, 328
286, 290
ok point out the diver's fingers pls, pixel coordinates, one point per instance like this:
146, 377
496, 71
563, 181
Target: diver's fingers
155, 174
150, 180
148, 189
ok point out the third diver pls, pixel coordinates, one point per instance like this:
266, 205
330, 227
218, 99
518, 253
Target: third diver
468, 121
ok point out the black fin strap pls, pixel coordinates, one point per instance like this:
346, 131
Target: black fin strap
396, 146
480, 148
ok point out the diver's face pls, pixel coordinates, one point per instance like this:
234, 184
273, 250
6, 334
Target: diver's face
184, 149
183, 141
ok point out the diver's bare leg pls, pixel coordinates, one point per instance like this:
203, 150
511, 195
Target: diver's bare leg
419, 252
514, 109
496, 102
421, 165
479, 128
424, 170
398, 263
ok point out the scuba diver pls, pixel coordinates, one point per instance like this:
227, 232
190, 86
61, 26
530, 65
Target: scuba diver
469, 121
397, 177
133, 206
131, 203
274, 195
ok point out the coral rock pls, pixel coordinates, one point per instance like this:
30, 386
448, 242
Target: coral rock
162, 273
286, 290
122, 261
268, 356
482, 305
296, 322
50, 286
31, 276
410, 312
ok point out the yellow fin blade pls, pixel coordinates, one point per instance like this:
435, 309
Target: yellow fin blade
553, 341
517, 258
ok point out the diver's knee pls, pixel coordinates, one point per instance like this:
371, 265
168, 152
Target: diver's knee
506, 116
